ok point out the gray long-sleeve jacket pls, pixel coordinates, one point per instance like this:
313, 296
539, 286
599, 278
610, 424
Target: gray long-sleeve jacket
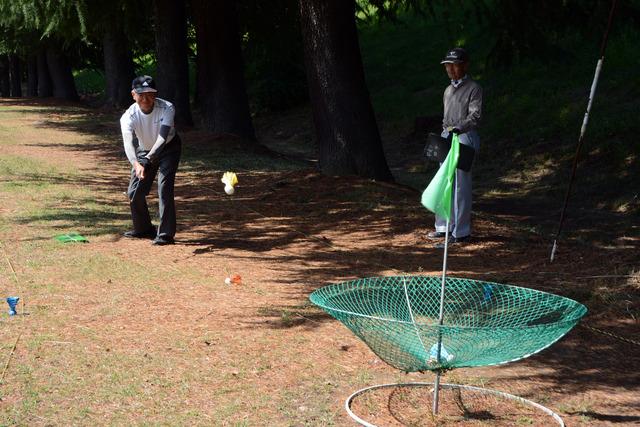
462, 106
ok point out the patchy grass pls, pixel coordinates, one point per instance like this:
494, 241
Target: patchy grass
121, 332
89, 349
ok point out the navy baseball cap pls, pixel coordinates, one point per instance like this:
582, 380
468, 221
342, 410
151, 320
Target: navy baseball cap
455, 56
142, 84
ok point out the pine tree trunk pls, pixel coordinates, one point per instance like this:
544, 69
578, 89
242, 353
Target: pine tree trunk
118, 68
5, 84
64, 86
15, 72
172, 79
348, 137
32, 76
221, 86
45, 86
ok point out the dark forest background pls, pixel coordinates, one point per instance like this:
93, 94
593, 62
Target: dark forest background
367, 73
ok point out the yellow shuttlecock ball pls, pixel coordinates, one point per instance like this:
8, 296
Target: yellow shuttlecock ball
229, 179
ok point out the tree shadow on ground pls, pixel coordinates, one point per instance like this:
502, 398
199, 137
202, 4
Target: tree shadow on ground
607, 417
583, 361
95, 212
312, 230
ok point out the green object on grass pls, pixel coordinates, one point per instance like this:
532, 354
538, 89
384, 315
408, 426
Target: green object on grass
437, 196
484, 323
71, 238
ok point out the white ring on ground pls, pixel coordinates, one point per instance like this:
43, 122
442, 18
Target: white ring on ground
544, 409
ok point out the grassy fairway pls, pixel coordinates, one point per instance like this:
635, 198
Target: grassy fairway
119, 332
115, 333
65, 368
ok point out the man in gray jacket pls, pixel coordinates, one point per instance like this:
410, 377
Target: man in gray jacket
462, 112
153, 148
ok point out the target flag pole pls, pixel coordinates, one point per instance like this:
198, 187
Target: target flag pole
437, 198
436, 384
585, 121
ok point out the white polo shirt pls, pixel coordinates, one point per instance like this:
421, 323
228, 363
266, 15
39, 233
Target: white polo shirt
146, 127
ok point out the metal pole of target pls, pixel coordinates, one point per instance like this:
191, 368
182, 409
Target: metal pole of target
585, 121
436, 384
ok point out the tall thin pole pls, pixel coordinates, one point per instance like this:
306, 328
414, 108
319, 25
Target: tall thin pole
436, 384
585, 121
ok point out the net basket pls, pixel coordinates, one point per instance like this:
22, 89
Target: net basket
484, 323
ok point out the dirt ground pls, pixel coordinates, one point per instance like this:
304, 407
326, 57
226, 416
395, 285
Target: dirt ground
197, 351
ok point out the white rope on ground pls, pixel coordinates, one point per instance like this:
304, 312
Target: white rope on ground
609, 334
480, 390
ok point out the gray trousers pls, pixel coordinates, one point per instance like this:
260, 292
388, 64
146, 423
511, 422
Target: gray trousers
460, 223
165, 167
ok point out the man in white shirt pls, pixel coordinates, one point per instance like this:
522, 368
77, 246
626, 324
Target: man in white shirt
152, 147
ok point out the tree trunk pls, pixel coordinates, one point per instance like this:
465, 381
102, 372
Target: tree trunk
45, 86
172, 79
221, 86
4, 76
32, 76
118, 67
16, 76
348, 137
64, 86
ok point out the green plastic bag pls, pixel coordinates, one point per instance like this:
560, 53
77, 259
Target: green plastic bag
437, 195
71, 238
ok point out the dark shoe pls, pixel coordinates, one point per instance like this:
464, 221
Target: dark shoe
453, 241
149, 234
436, 235
163, 240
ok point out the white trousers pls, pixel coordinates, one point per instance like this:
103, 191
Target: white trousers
460, 223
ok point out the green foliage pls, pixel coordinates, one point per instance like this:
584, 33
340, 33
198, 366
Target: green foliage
121, 15
75, 26
16, 30
524, 30
63, 19
535, 61
376, 11
27, 26
273, 53
89, 81
533, 110
402, 65
516, 30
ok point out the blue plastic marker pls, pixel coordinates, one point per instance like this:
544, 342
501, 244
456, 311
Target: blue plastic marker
12, 301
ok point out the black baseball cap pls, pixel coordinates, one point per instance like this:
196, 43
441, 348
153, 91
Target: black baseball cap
142, 84
455, 56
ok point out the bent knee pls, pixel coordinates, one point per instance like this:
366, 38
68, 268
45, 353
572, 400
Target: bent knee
136, 195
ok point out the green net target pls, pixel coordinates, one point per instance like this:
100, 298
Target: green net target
484, 323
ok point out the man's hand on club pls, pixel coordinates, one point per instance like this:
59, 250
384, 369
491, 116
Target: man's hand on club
143, 162
139, 169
